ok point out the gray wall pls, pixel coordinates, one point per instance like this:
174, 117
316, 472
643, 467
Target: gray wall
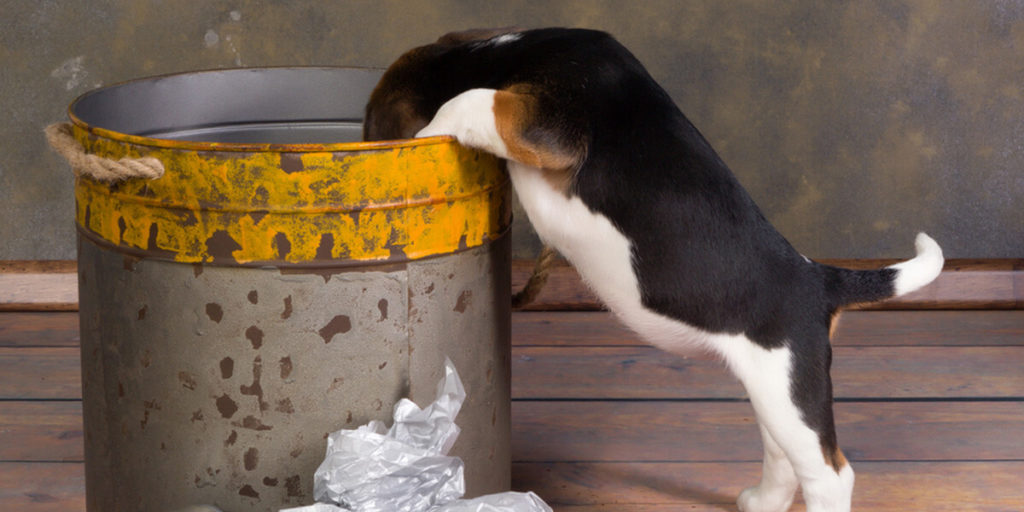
853, 124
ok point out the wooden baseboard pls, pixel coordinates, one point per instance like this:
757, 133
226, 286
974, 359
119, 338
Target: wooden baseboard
963, 284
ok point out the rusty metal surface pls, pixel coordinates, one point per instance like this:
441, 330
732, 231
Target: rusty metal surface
219, 384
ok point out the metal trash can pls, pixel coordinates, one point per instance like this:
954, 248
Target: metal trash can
276, 285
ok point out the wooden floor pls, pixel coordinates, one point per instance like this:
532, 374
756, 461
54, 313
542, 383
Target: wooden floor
930, 412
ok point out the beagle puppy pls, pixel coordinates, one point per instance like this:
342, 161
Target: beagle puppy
614, 176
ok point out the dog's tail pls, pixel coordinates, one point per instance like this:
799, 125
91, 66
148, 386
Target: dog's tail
847, 286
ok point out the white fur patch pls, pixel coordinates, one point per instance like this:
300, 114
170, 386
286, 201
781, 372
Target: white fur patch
505, 38
922, 269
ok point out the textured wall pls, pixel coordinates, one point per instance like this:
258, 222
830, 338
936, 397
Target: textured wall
853, 124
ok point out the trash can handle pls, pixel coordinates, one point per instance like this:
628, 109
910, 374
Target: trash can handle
96, 167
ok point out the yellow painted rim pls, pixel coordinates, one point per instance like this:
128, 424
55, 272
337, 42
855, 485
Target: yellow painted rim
294, 204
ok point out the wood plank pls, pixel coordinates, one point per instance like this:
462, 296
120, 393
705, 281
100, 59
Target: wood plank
38, 329
643, 372
858, 373
599, 328
41, 431
881, 486
643, 431
42, 486
727, 432
856, 328
38, 285
40, 373
963, 284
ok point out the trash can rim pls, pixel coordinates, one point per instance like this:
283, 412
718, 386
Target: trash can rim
157, 142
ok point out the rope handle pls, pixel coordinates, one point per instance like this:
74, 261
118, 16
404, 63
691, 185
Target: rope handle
96, 167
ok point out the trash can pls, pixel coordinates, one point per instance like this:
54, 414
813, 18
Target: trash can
280, 281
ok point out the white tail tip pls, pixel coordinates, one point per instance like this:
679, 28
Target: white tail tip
922, 269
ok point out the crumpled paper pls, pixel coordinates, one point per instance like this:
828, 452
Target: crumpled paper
406, 468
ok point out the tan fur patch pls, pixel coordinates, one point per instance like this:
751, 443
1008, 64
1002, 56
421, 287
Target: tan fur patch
833, 324
835, 459
514, 112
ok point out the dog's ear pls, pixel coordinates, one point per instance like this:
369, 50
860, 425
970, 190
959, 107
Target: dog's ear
391, 116
476, 34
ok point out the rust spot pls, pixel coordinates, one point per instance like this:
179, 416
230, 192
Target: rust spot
255, 336
429, 289
220, 246
348, 419
147, 406
253, 297
142, 312
187, 380
294, 486
286, 366
291, 162
226, 406
340, 324
260, 197
251, 459
214, 311
336, 382
269, 482
227, 368
325, 250
231, 438
255, 389
382, 306
120, 390
494, 416
197, 269
197, 416
463, 301
283, 246
122, 227
378, 404
382, 365
285, 406
247, 490
154, 231
257, 215
490, 374
252, 423
294, 454
287, 308
146, 359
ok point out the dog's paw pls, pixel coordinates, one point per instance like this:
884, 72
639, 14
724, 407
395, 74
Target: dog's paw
756, 499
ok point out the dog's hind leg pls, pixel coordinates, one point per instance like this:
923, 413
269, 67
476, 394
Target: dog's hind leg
778, 481
802, 428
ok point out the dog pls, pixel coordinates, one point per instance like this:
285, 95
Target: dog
614, 177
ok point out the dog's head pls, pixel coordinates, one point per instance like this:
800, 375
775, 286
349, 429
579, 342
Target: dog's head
400, 105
